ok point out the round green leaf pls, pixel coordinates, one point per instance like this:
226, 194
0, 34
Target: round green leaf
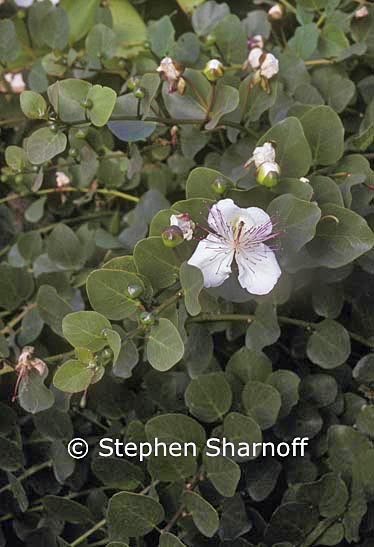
165, 346
208, 397
33, 105
341, 237
132, 515
262, 402
157, 262
298, 220
329, 346
86, 329
108, 292
239, 428
325, 134
103, 99
171, 428
73, 376
223, 473
205, 517
44, 144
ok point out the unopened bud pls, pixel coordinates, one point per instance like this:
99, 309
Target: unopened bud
213, 70
87, 103
134, 290
219, 186
210, 39
268, 174
146, 318
256, 41
276, 12
362, 12
172, 236
139, 93
132, 83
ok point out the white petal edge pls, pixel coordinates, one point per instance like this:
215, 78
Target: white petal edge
222, 213
214, 259
259, 270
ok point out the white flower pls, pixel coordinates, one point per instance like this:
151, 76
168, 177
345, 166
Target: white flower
266, 63
171, 72
262, 154
361, 12
303, 179
254, 57
184, 222
16, 82
269, 66
62, 179
239, 234
276, 12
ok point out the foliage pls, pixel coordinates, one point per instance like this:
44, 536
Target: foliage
106, 328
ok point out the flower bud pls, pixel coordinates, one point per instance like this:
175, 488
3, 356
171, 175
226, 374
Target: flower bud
268, 174
362, 12
219, 186
172, 236
87, 103
213, 70
147, 318
256, 41
276, 12
183, 222
210, 39
134, 290
139, 93
132, 83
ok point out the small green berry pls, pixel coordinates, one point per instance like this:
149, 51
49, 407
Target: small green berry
210, 39
139, 93
73, 153
132, 83
134, 290
172, 236
87, 103
146, 318
219, 185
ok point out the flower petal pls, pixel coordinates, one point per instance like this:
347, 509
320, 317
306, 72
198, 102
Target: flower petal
258, 269
222, 215
254, 216
213, 257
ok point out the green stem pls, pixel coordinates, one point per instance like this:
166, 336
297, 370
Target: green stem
289, 6
321, 20
63, 190
28, 473
59, 357
168, 302
319, 530
211, 317
89, 532
17, 319
313, 62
